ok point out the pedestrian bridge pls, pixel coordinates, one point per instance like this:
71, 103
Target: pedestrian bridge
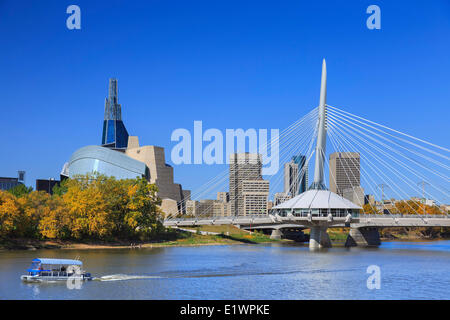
366, 155
363, 228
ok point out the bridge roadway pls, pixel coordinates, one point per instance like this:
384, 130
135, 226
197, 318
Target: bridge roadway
290, 221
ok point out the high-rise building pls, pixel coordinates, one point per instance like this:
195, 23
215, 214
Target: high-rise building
115, 135
369, 199
245, 167
223, 196
300, 160
344, 171
281, 197
355, 195
207, 207
255, 194
295, 176
291, 178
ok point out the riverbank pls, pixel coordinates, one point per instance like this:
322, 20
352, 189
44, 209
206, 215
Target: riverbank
219, 235
224, 235
396, 234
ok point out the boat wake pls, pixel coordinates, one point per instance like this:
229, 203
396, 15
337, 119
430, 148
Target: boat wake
122, 277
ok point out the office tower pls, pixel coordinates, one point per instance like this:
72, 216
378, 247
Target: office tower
191, 207
281, 197
300, 160
115, 135
354, 194
223, 196
255, 194
207, 208
344, 171
243, 166
291, 178
369, 199
295, 176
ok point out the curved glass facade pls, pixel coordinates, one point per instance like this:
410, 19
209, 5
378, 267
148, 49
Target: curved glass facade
106, 161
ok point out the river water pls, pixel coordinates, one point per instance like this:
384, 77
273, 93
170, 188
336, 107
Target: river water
408, 270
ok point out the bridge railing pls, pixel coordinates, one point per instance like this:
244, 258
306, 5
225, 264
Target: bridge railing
400, 216
218, 218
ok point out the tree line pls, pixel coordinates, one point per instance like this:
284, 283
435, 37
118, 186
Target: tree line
404, 207
87, 207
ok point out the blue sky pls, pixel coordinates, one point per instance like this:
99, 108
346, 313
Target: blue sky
231, 64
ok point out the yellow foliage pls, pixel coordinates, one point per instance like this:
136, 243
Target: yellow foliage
88, 207
9, 212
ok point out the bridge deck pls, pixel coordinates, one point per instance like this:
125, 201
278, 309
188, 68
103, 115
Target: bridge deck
355, 222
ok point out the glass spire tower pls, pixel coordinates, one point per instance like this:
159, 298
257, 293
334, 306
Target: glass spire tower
115, 134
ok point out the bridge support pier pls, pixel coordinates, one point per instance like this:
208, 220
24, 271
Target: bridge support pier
364, 237
276, 234
319, 238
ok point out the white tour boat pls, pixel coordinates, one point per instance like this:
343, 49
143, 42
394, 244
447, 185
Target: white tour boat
47, 269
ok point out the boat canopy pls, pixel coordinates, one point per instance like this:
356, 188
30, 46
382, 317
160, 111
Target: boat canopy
58, 261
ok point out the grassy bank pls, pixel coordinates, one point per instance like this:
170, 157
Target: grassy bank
226, 235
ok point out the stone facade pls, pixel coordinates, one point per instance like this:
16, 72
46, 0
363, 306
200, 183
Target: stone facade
245, 173
161, 173
255, 194
344, 171
355, 195
281, 197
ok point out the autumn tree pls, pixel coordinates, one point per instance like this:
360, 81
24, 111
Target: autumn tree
143, 216
9, 212
370, 209
32, 207
90, 206
54, 222
88, 217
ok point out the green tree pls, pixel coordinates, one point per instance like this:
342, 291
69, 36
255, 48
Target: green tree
143, 217
20, 190
32, 207
61, 188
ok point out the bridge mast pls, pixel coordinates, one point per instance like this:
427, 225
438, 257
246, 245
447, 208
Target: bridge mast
318, 182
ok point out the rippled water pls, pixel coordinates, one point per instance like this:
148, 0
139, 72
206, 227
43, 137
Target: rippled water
409, 270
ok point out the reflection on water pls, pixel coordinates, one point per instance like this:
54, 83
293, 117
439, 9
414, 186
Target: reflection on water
409, 270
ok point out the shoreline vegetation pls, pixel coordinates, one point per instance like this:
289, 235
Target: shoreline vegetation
226, 235
94, 211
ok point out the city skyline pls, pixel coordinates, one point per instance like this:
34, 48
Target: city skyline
150, 101
225, 155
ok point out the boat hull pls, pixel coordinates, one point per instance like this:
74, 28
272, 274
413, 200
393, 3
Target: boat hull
37, 278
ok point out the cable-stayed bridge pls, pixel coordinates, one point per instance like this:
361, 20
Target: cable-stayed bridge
409, 177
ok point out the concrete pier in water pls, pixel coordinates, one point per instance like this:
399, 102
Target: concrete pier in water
364, 237
319, 238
